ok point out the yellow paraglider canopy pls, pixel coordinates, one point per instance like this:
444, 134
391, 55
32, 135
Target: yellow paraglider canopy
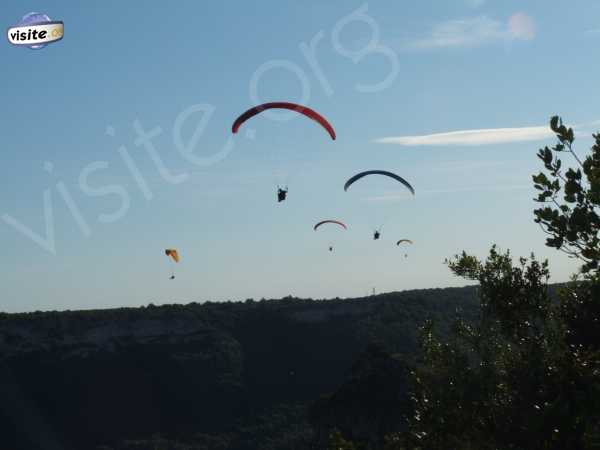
173, 254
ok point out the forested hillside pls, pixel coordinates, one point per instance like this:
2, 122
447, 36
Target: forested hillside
237, 375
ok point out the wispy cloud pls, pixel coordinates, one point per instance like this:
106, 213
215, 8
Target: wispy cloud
475, 31
396, 197
487, 136
473, 137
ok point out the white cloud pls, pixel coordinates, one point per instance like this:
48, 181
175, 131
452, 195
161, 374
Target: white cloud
475, 31
461, 33
473, 137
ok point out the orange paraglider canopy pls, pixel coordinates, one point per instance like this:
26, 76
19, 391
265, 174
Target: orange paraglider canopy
171, 252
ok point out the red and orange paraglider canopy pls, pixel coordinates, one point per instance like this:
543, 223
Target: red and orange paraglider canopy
310, 113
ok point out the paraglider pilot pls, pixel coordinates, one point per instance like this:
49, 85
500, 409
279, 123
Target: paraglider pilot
174, 256
376, 235
281, 194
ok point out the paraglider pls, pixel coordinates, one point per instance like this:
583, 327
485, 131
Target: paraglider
358, 176
284, 105
404, 240
173, 255
281, 194
335, 222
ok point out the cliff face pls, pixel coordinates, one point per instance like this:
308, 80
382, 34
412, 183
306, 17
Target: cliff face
80, 379
22, 337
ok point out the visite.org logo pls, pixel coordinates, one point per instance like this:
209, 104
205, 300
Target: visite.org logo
36, 30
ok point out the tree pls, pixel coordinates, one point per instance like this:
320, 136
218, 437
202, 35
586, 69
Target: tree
526, 373
369, 405
573, 226
338, 442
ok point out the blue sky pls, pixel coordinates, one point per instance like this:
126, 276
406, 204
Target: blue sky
453, 68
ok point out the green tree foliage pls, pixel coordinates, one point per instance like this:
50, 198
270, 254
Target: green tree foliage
526, 373
573, 226
338, 442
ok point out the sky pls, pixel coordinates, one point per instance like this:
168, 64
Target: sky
117, 144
